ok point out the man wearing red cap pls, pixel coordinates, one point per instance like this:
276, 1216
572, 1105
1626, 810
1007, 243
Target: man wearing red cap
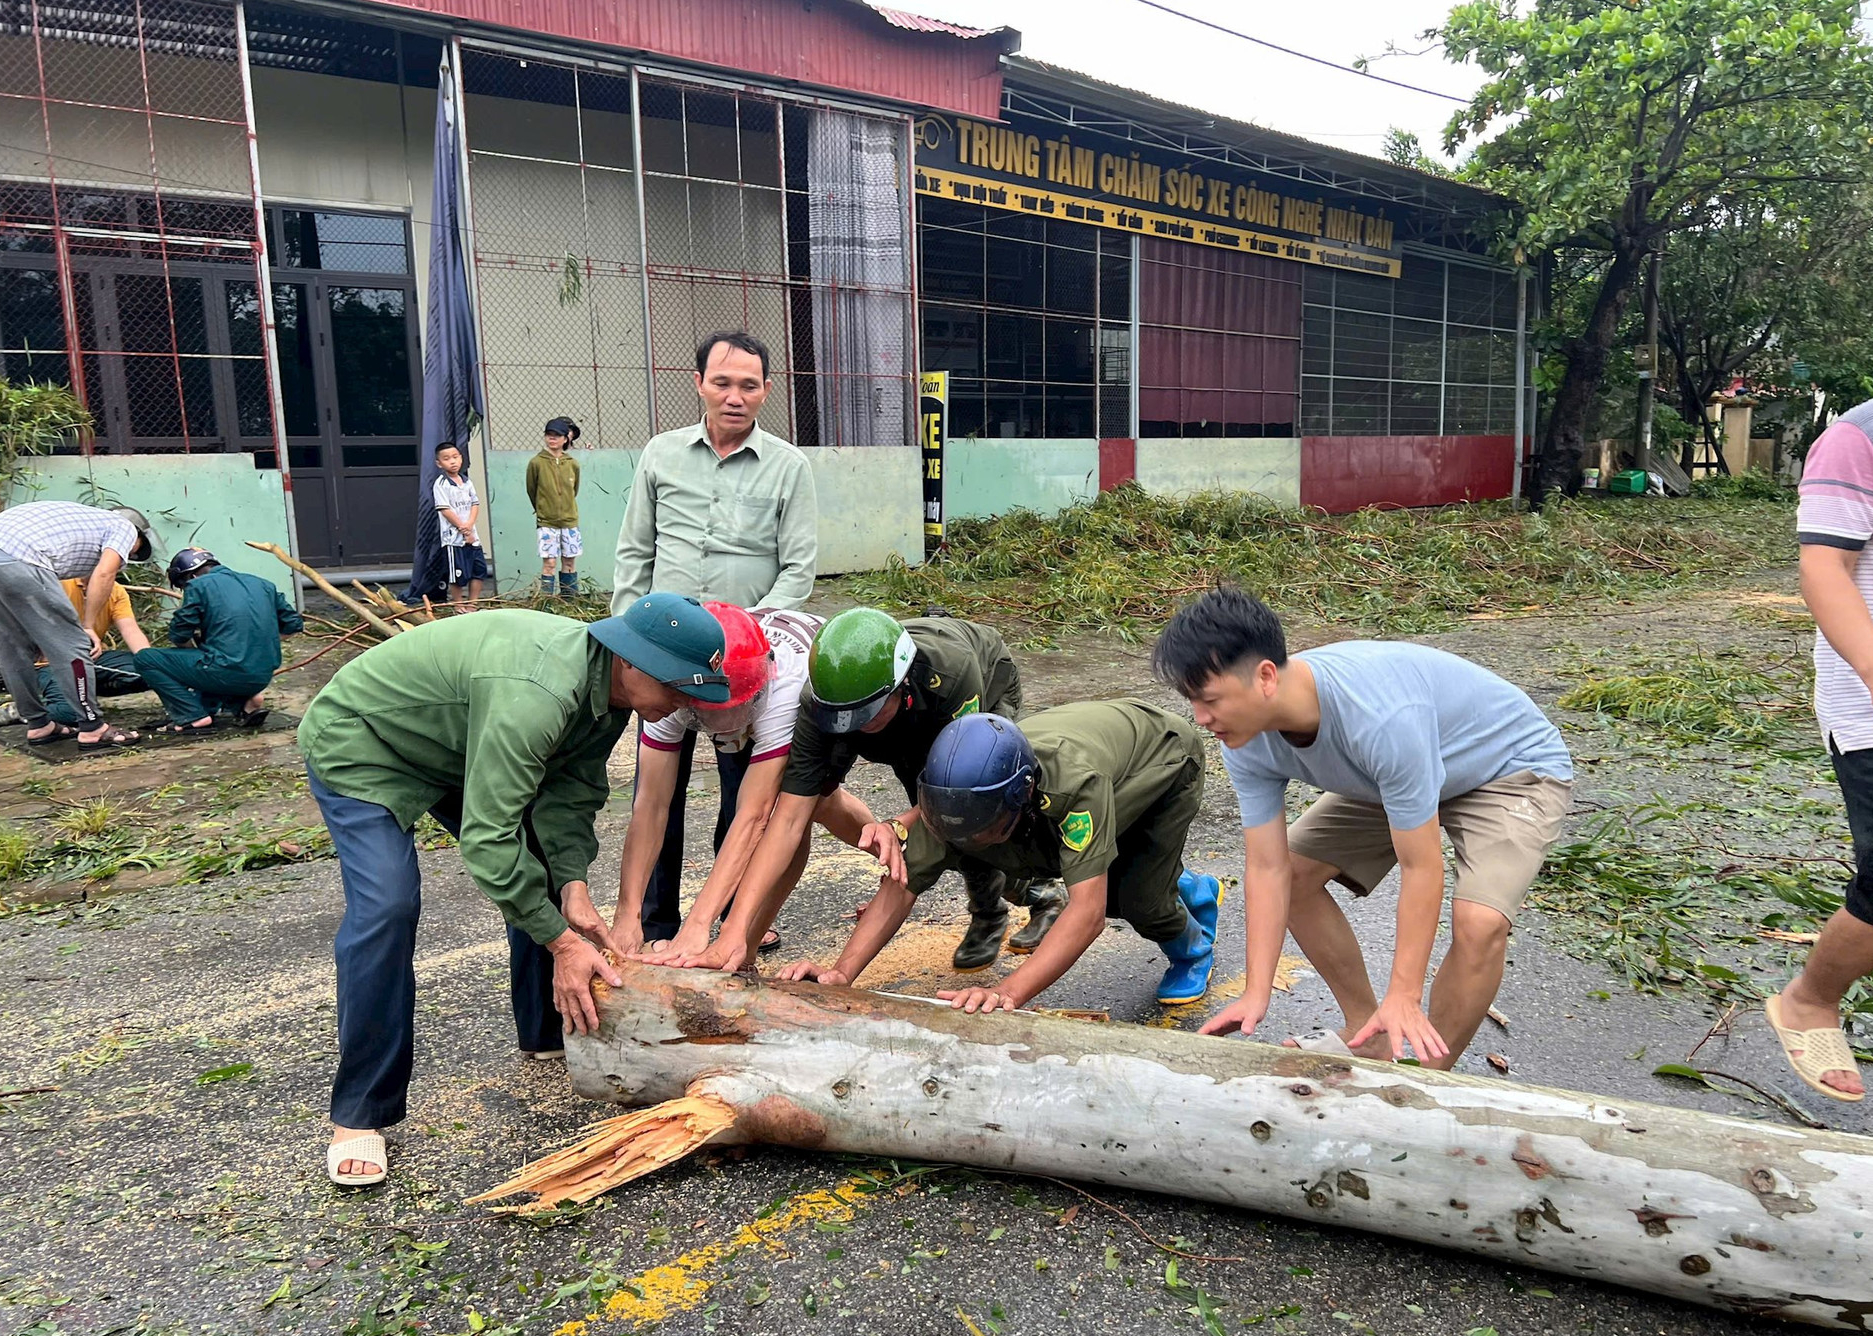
765, 662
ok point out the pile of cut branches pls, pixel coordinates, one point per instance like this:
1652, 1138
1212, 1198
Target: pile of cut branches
1124, 561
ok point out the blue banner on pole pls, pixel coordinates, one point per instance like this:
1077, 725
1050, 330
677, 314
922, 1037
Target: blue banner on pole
452, 401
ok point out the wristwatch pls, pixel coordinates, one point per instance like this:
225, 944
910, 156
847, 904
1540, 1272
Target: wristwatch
901, 830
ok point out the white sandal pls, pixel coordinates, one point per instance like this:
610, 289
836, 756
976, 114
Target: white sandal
368, 1147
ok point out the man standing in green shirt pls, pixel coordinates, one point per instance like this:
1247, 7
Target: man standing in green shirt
500, 726
726, 513
1100, 794
883, 691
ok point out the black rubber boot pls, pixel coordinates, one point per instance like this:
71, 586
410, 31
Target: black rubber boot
981, 945
988, 920
1044, 906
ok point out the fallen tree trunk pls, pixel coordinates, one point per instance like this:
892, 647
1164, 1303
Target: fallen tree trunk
1745, 1216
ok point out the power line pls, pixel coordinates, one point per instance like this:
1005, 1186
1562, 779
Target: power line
1290, 51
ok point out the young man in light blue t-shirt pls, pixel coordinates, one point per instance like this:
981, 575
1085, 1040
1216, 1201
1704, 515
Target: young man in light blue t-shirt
1409, 743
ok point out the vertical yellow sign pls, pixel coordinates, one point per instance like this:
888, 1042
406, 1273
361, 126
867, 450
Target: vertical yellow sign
933, 424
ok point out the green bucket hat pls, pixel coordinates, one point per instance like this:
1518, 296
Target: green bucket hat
672, 639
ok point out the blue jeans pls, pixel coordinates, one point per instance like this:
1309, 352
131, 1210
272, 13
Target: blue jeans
663, 910
375, 952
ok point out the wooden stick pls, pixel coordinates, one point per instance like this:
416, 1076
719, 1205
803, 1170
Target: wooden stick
164, 590
378, 624
327, 650
371, 598
404, 608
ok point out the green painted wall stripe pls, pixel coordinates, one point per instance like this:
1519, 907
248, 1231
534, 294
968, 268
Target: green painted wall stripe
216, 501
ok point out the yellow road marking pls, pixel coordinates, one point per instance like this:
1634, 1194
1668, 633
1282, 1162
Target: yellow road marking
676, 1287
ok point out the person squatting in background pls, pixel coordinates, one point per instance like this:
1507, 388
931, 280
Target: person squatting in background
227, 635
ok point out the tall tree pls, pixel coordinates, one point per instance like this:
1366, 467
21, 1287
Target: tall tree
1619, 122
1763, 272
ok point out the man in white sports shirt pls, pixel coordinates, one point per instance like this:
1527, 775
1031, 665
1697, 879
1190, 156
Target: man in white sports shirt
765, 661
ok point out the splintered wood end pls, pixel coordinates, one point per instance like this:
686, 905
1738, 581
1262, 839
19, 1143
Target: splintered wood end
615, 1151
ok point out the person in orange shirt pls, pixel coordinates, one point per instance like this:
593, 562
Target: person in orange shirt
116, 668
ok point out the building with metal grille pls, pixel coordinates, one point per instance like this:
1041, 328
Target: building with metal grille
214, 226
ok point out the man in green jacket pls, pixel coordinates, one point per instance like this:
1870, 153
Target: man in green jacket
227, 634
500, 726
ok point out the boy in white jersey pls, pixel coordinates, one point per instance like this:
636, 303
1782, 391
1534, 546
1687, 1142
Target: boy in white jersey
457, 510
766, 663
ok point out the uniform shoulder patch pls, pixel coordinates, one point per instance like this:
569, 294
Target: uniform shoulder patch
971, 706
1076, 830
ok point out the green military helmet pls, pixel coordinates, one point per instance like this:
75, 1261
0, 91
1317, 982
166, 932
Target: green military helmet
858, 659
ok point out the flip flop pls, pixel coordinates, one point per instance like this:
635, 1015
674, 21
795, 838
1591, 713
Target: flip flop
245, 719
59, 733
367, 1146
113, 738
770, 941
1814, 1053
187, 730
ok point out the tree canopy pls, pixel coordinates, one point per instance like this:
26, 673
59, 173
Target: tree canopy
1615, 123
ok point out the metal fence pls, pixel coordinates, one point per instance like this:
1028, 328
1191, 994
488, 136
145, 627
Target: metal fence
131, 261
620, 218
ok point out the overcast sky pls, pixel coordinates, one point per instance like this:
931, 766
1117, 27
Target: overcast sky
1125, 42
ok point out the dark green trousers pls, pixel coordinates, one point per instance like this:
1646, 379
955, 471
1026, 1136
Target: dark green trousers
192, 687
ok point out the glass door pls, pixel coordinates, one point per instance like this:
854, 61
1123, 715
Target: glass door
371, 417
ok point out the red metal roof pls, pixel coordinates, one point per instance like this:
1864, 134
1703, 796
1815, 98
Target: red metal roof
903, 18
843, 46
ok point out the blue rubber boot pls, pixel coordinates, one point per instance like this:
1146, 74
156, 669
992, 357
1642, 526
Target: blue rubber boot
568, 584
1203, 897
1193, 953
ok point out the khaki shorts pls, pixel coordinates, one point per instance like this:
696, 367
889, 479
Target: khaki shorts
1500, 833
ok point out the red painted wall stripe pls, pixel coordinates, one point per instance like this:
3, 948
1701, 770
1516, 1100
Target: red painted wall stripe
1118, 462
831, 44
1344, 473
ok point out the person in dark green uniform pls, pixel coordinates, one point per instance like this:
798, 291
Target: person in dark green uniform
499, 725
227, 633
1100, 794
882, 691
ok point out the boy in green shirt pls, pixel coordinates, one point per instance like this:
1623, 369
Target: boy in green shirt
553, 488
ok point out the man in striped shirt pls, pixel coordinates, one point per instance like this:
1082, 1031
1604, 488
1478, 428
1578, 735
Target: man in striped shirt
41, 544
1835, 523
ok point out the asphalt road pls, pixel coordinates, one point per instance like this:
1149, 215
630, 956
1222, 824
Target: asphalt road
173, 1181
170, 1177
